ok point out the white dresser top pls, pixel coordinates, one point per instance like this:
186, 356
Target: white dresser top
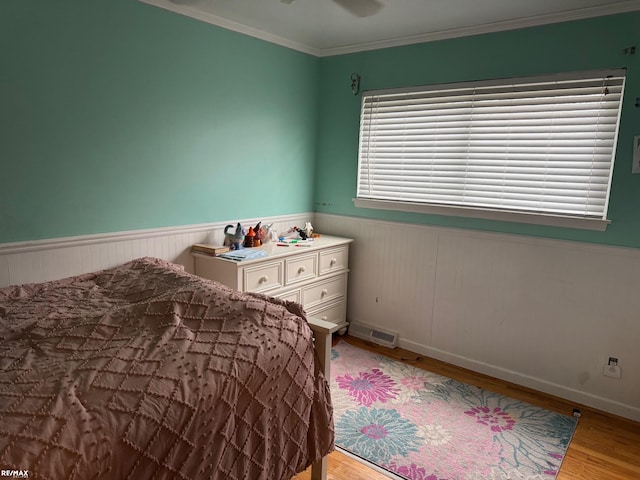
275, 251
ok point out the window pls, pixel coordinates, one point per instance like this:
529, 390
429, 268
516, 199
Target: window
534, 150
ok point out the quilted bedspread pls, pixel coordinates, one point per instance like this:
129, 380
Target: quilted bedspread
145, 371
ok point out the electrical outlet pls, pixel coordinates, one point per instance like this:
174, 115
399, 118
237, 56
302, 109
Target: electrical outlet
612, 369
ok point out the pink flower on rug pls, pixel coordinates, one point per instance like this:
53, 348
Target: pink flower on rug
375, 432
413, 382
496, 418
412, 472
369, 387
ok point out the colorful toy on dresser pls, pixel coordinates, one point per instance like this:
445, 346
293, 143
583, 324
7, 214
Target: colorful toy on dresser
254, 237
234, 240
268, 233
305, 233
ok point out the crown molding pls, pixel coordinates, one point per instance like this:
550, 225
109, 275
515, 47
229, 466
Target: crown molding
494, 27
580, 14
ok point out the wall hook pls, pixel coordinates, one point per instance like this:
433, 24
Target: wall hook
355, 83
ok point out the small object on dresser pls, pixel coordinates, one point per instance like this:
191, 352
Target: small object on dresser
234, 240
207, 249
249, 238
269, 233
308, 229
257, 240
303, 233
244, 254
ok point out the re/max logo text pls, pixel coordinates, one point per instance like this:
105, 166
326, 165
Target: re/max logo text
14, 473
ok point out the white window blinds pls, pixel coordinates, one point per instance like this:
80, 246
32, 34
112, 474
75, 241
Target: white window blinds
538, 145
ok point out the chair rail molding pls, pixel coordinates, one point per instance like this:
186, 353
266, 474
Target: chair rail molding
51, 259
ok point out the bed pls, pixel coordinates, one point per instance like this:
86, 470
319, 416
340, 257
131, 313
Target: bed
146, 371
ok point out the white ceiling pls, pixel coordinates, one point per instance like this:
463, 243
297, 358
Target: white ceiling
324, 27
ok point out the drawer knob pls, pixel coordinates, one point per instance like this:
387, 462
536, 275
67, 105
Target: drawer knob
302, 269
263, 279
324, 292
332, 262
324, 317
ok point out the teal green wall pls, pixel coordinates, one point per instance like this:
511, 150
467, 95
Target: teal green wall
582, 45
116, 115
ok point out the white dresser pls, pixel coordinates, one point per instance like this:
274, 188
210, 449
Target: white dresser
314, 276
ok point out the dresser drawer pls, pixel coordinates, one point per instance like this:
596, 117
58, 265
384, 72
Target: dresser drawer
335, 313
291, 296
263, 277
300, 268
324, 291
334, 260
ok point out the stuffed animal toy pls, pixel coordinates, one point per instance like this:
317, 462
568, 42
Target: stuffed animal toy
234, 240
258, 239
268, 233
250, 239
308, 229
305, 232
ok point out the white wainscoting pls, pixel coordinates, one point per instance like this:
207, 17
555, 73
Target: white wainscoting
39, 261
541, 313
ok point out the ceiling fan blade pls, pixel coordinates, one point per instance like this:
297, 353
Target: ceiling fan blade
360, 8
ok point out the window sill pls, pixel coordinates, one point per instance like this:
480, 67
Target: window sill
487, 214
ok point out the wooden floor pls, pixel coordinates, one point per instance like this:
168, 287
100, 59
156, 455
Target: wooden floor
604, 447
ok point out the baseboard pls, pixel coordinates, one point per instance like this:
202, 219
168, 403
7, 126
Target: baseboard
583, 398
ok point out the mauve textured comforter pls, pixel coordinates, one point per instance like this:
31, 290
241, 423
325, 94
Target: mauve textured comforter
145, 371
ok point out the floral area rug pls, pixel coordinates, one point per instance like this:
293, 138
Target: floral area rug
423, 426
